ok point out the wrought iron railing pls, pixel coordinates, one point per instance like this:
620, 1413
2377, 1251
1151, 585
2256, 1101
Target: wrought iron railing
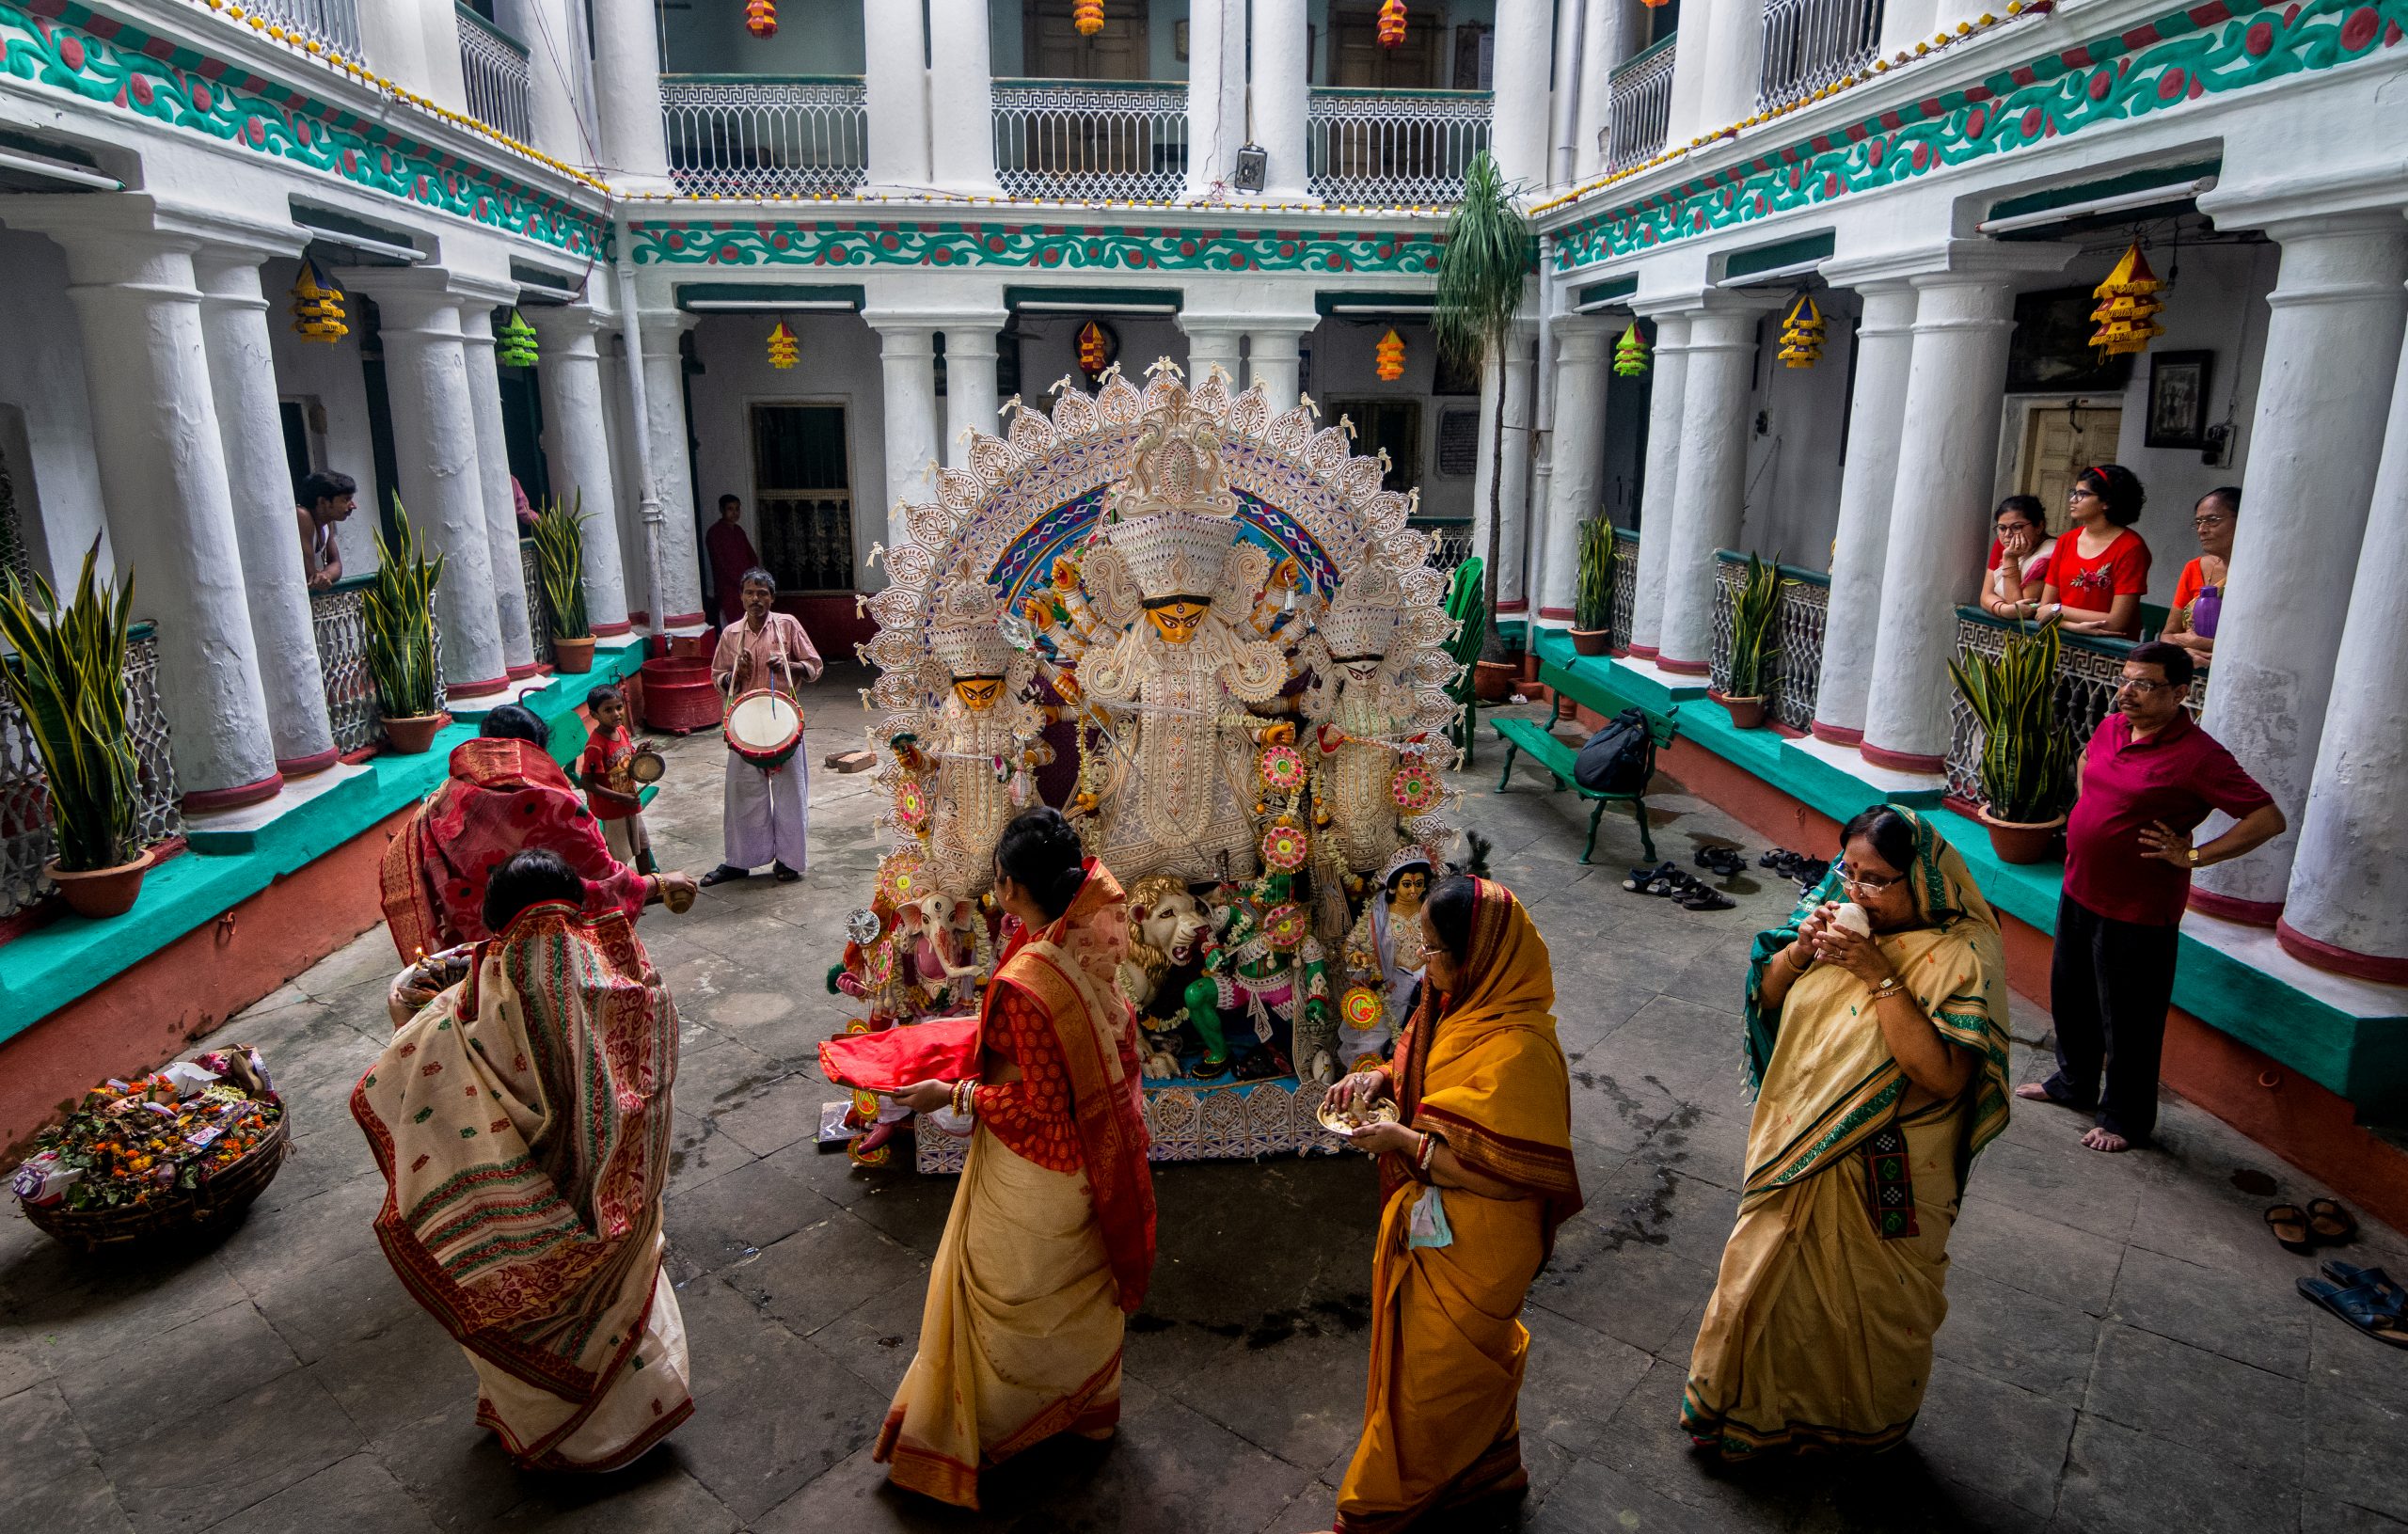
339, 618
1638, 106
1813, 43
26, 839
539, 607
1625, 590
1393, 146
1091, 138
1797, 675
1450, 539
493, 66
2088, 671
333, 24
766, 135
807, 539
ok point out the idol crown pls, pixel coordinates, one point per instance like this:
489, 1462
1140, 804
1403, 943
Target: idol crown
1173, 517
1363, 620
963, 632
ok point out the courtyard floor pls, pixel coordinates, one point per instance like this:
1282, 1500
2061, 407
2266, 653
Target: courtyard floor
2124, 1348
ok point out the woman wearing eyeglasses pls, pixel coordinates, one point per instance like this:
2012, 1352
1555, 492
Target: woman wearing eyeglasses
1879, 1061
2198, 595
2019, 558
2101, 569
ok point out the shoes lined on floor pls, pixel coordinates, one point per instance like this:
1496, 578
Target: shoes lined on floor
1672, 883
1807, 871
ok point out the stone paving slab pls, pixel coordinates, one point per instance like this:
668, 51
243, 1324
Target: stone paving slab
2124, 1348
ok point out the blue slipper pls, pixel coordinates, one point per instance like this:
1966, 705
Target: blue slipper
2361, 1306
2387, 1289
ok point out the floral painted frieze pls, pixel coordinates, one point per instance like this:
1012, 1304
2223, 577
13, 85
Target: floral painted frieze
66, 48
838, 242
2220, 46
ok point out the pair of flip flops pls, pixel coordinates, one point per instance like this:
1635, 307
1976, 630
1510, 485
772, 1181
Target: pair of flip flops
1807, 871
2367, 1298
1722, 862
1671, 883
2323, 1223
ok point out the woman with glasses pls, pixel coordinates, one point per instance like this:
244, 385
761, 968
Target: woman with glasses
2198, 596
2100, 570
2020, 555
1879, 1061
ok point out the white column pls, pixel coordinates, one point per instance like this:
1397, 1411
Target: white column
577, 449
1206, 346
896, 86
242, 371
163, 478
1861, 546
969, 387
2334, 327
1947, 467
442, 476
1505, 387
1571, 24
1600, 49
2349, 888
553, 33
627, 94
1733, 32
672, 469
508, 571
1277, 365
961, 98
1215, 94
445, 82
908, 362
393, 38
1518, 118
1670, 366
1281, 95
1711, 483
1577, 492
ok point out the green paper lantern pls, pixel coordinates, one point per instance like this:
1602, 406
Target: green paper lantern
1630, 353
514, 347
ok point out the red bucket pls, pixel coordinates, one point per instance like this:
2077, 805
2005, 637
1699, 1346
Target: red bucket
680, 697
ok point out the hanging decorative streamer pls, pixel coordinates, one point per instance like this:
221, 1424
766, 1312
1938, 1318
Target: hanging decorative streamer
1392, 32
1088, 16
1801, 334
515, 343
1630, 353
760, 17
1095, 349
1389, 357
317, 308
784, 349
2126, 315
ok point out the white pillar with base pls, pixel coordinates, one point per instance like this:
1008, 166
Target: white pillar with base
1577, 490
577, 449
1860, 544
1521, 68
1282, 43
627, 94
1506, 455
961, 99
518, 657
1710, 488
896, 88
1208, 346
672, 474
907, 358
1215, 95
970, 386
1278, 361
1669, 364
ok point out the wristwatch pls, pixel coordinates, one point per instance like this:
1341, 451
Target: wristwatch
1888, 985
2195, 856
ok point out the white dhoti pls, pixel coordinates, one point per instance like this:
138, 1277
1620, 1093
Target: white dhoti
768, 815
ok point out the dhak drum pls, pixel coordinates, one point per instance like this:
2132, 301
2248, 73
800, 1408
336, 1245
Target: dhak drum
764, 728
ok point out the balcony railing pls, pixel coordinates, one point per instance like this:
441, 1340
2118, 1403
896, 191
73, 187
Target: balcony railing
26, 839
338, 616
1394, 145
334, 24
493, 65
765, 136
2088, 670
1813, 43
1639, 107
1089, 139
1451, 537
1796, 674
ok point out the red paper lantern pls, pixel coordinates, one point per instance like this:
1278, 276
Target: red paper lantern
1392, 32
1388, 357
1088, 16
1095, 349
761, 17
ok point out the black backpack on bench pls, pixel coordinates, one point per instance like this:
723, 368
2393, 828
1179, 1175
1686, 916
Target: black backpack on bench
1619, 758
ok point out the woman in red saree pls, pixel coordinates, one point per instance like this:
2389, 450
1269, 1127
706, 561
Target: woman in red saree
1052, 1235
1477, 1172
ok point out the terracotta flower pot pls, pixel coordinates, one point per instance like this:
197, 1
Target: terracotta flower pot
98, 892
573, 655
2022, 841
1492, 680
412, 734
1746, 713
1590, 641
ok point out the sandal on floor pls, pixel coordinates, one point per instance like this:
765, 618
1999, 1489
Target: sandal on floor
722, 874
2388, 1293
2361, 1307
1641, 877
2289, 1223
1705, 899
2332, 1224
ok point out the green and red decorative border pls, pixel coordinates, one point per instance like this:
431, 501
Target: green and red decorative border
841, 243
105, 62
2220, 46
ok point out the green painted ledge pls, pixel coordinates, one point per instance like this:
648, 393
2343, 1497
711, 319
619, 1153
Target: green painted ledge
68, 958
2364, 1059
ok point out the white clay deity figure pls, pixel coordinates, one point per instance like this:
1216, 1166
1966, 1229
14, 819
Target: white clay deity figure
952, 959
1380, 709
1167, 928
1384, 960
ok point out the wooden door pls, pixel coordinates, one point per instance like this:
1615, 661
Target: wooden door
801, 491
1356, 57
2060, 443
1057, 52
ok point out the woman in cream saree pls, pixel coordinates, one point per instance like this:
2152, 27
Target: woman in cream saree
1477, 1175
1881, 1068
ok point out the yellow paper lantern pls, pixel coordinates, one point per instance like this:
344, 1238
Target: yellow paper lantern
1088, 16
1391, 33
760, 17
784, 349
2126, 311
317, 308
1389, 357
1801, 335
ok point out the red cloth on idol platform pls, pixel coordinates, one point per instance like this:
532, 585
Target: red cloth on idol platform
939, 1050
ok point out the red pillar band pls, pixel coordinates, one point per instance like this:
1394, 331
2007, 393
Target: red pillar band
2250, 912
1882, 756
532, 667
2326, 955
1684, 668
476, 689
1838, 734
604, 631
1642, 651
301, 767
1564, 614
205, 800
686, 620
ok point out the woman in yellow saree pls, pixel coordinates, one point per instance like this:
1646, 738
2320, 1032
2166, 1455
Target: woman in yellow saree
1477, 1173
1881, 1064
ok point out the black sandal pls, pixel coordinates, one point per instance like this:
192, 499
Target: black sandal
722, 874
1641, 877
1703, 898
2289, 1223
2331, 1225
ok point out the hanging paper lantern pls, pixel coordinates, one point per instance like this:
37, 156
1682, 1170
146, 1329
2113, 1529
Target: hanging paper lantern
515, 346
1389, 357
1391, 22
1801, 334
1630, 353
783, 350
1095, 345
760, 17
2126, 315
317, 308
1654, 5
1088, 16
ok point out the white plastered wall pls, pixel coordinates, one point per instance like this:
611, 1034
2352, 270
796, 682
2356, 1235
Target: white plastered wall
42, 385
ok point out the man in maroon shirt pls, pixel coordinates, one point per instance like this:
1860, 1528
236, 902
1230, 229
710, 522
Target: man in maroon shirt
2147, 778
731, 556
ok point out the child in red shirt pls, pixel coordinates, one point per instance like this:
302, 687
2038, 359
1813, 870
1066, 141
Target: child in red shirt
606, 770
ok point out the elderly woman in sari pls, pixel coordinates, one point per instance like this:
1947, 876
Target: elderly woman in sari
521, 1120
1876, 1041
1477, 1173
1051, 1241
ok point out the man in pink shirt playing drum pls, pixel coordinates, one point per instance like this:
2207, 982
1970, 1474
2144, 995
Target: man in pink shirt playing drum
768, 807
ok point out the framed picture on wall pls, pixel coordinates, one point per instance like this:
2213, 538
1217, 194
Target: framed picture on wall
2178, 399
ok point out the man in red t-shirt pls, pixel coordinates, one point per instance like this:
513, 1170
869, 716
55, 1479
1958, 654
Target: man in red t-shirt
2147, 778
731, 554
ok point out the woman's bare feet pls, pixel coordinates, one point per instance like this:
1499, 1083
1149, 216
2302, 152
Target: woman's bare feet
2107, 1140
2033, 1092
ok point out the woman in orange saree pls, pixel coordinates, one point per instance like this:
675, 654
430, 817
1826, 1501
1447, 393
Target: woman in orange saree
1477, 1173
1051, 1241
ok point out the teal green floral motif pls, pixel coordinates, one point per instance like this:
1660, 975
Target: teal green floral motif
2202, 50
63, 47
837, 242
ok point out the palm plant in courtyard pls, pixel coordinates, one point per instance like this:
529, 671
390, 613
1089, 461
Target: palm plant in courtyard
1481, 270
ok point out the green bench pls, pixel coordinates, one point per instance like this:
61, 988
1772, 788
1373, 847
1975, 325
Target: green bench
1558, 756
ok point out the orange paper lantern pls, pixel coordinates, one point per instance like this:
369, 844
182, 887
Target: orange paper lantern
1088, 16
1095, 349
760, 17
1389, 357
1392, 32
783, 350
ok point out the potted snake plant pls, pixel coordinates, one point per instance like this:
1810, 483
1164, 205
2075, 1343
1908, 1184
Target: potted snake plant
68, 678
2027, 757
1755, 641
1593, 595
560, 555
400, 603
